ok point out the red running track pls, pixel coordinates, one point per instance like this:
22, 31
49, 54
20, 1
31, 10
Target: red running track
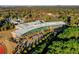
2, 49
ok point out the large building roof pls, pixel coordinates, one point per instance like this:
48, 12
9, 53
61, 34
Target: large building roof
26, 27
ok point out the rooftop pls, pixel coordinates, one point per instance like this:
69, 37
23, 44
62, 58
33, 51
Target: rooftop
26, 27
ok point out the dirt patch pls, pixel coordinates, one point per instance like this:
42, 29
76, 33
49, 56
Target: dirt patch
4, 38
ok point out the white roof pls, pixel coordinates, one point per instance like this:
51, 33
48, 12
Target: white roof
26, 28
